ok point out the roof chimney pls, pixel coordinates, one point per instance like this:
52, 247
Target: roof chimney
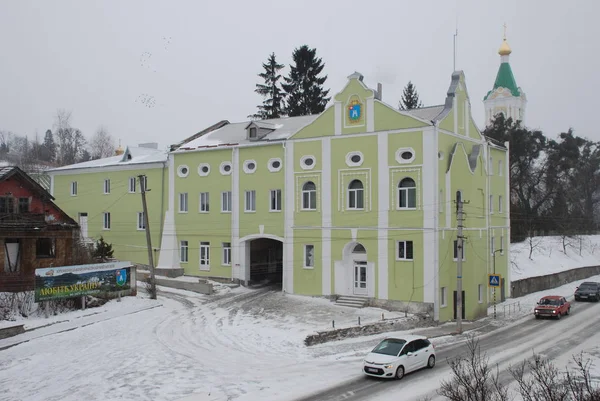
379, 89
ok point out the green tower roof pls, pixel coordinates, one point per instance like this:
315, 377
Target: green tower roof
505, 79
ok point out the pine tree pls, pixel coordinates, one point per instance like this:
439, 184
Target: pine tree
410, 98
304, 87
272, 106
48, 147
103, 251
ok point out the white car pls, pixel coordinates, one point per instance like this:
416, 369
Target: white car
394, 357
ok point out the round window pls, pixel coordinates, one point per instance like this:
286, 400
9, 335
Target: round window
251, 166
184, 170
205, 169
227, 168
276, 164
309, 161
355, 158
406, 155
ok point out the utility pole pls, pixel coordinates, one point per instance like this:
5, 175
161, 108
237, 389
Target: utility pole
148, 238
459, 260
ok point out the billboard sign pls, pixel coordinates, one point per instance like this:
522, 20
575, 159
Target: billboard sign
74, 281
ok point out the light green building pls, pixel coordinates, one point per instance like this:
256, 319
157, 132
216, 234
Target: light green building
357, 201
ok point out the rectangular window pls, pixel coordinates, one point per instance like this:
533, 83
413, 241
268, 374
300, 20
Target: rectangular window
309, 256
480, 293
7, 205
45, 248
12, 255
405, 250
502, 244
183, 202
204, 255
250, 203
107, 186
407, 195
441, 201
275, 200
491, 166
443, 295
23, 205
226, 201
183, 251
499, 203
74, 188
492, 244
204, 202
456, 250
141, 224
226, 253
106, 221
500, 168
491, 204
132, 185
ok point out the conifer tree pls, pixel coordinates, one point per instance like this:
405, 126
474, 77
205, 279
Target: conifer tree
410, 98
303, 87
273, 103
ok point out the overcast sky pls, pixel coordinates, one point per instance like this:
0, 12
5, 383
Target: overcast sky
163, 70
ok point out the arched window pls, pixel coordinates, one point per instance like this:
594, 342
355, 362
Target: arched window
407, 194
356, 195
359, 248
309, 196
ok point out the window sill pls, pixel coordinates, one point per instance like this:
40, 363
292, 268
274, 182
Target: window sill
183, 212
456, 260
308, 210
274, 211
355, 209
249, 211
141, 229
226, 264
308, 267
225, 211
184, 262
204, 268
404, 260
406, 208
204, 211
106, 229
443, 306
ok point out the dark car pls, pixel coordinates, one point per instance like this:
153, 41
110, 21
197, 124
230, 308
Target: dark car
588, 291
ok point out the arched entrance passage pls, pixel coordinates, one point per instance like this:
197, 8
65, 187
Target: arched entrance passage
355, 258
266, 260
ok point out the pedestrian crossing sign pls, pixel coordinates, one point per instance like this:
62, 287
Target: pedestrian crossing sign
494, 280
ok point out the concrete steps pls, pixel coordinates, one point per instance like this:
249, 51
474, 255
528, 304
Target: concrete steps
352, 301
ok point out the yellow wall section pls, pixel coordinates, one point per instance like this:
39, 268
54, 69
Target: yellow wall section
322, 126
387, 118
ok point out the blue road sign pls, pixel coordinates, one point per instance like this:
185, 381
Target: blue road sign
494, 280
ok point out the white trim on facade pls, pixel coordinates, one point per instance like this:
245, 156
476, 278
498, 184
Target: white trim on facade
169, 246
383, 208
288, 244
370, 114
326, 218
236, 257
103, 169
337, 118
429, 190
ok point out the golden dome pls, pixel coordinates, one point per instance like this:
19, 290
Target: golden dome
119, 150
504, 48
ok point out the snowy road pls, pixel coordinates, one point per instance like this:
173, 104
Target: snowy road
505, 347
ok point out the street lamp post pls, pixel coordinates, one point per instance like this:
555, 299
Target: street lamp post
494, 288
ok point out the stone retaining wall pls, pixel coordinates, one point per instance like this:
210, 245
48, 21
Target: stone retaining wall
367, 329
530, 285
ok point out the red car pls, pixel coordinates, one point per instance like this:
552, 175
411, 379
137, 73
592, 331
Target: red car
552, 306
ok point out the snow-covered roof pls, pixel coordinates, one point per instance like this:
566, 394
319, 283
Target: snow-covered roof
427, 113
236, 134
132, 155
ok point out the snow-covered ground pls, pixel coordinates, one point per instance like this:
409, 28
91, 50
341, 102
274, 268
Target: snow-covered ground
239, 344
548, 255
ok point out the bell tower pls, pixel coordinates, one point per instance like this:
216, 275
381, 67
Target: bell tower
505, 97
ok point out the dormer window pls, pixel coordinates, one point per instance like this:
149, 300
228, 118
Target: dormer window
252, 133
